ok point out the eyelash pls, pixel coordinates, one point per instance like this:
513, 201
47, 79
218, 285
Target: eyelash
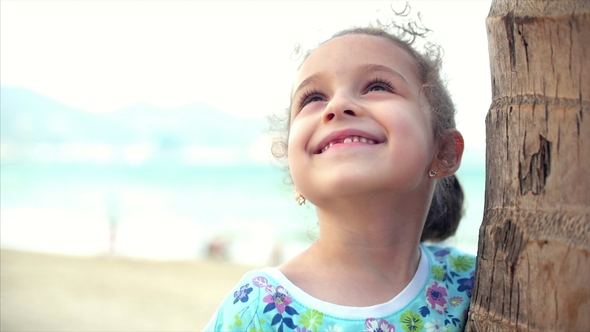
380, 81
305, 97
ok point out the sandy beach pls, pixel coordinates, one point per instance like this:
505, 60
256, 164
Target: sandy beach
43, 292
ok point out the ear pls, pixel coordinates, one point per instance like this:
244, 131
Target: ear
448, 158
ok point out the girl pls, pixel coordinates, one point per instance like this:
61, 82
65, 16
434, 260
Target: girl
372, 145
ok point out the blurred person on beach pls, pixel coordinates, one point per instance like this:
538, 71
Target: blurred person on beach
371, 142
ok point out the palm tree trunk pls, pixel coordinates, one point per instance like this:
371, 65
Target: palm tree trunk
533, 268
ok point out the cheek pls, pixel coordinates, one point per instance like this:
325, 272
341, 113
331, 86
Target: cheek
410, 124
297, 143
299, 134
414, 140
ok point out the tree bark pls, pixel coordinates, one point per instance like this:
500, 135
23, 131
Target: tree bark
533, 268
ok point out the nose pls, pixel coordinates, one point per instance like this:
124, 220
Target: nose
341, 106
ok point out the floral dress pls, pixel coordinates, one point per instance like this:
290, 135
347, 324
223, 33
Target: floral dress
435, 300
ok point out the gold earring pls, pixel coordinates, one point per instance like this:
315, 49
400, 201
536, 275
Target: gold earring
299, 198
432, 173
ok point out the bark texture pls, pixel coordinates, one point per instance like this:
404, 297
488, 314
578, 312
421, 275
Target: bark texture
533, 268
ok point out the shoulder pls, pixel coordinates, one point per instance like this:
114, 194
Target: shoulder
452, 267
257, 302
263, 300
451, 260
447, 292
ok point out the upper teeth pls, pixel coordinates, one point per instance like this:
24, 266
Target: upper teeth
350, 139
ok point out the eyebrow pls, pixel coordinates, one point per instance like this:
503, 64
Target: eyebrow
307, 82
369, 67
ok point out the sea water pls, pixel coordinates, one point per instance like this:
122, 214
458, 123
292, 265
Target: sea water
172, 211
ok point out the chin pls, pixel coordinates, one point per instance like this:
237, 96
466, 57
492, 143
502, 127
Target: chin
350, 185
339, 186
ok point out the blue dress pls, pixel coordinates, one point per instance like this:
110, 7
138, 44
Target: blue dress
435, 300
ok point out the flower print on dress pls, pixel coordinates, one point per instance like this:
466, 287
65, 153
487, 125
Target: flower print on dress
440, 269
242, 293
247, 318
455, 300
466, 284
382, 325
411, 321
441, 254
277, 299
311, 319
462, 263
435, 325
438, 272
435, 295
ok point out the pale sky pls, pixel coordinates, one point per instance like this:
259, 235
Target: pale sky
100, 56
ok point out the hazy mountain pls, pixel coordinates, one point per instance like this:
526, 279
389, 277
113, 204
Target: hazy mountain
28, 117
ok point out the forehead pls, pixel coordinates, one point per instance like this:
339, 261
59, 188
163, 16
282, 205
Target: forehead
345, 53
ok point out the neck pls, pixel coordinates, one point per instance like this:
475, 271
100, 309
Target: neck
378, 233
368, 246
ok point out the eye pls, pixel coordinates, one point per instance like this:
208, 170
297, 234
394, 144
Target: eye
377, 88
378, 84
308, 97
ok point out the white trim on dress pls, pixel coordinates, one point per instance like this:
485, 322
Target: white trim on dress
407, 295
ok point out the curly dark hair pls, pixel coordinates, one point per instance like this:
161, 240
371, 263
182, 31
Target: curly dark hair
446, 208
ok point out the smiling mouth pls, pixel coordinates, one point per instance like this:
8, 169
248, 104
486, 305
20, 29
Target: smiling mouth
347, 140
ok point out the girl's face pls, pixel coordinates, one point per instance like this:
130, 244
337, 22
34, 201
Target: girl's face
358, 124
